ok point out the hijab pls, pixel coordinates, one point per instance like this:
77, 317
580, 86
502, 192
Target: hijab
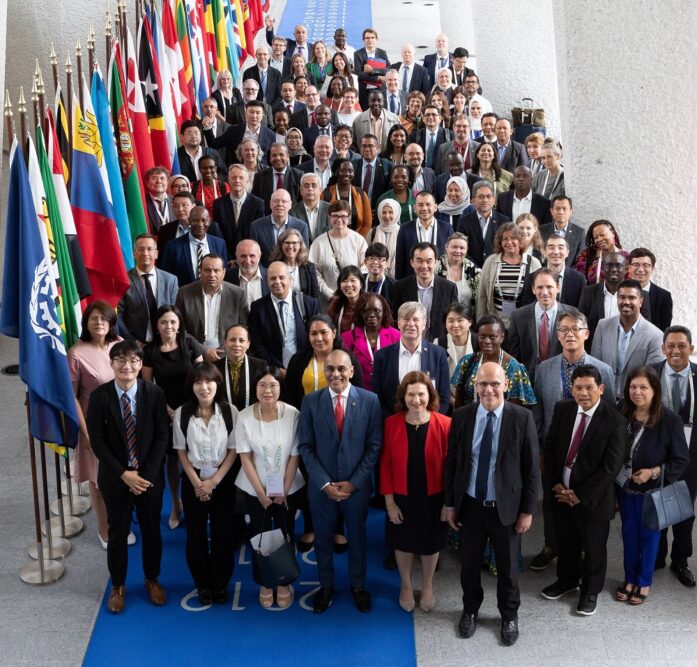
447, 206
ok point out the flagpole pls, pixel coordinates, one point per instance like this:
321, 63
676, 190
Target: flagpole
53, 59
80, 87
123, 26
42, 570
23, 133
41, 90
69, 90
90, 50
107, 31
35, 102
9, 120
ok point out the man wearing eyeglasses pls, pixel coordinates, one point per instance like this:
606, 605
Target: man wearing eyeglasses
491, 480
553, 384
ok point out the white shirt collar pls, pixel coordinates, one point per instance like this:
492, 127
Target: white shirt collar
589, 413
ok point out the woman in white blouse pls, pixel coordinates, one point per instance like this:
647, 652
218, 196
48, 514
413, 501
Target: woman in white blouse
266, 440
202, 432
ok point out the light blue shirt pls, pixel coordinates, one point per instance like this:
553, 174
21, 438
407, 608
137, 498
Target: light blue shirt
287, 323
552, 315
667, 384
131, 393
479, 426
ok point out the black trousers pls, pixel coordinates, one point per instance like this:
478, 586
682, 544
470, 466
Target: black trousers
576, 534
211, 566
277, 516
119, 508
478, 524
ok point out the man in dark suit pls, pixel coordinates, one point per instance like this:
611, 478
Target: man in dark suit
585, 448
510, 153
369, 78
150, 288
372, 172
562, 209
523, 200
434, 292
431, 136
412, 352
279, 331
340, 436
311, 209
298, 45
209, 111
248, 274
455, 167
211, 301
182, 256
461, 144
288, 101
279, 176
441, 59
678, 380
159, 209
642, 263
572, 282
424, 177
491, 479
396, 100
236, 211
459, 68
191, 151
305, 117
250, 93
532, 334
480, 227
412, 76
268, 78
128, 428
322, 128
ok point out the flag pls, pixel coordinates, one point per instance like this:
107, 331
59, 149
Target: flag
63, 133
29, 313
125, 148
93, 212
239, 29
221, 37
182, 103
233, 41
55, 159
182, 25
248, 20
210, 40
198, 52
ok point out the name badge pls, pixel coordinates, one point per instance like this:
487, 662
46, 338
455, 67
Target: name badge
274, 484
207, 472
623, 475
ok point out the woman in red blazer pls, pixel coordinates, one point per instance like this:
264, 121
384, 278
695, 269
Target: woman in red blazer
411, 479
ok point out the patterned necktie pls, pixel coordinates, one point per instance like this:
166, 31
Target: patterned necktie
199, 257
675, 393
544, 337
482, 480
339, 415
576, 442
129, 423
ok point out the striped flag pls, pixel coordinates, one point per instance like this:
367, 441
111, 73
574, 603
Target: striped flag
182, 25
63, 132
182, 103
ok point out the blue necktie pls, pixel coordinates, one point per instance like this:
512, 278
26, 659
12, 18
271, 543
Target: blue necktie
482, 481
263, 84
404, 79
430, 151
393, 106
502, 152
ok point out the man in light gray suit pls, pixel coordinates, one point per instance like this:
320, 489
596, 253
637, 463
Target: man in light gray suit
553, 384
627, 340
150, 288
311, 209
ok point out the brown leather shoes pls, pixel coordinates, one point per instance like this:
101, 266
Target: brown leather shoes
117, 599
156, 592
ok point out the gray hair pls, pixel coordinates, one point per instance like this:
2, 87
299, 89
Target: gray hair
576, 315
482, 184
411, 308
309, 175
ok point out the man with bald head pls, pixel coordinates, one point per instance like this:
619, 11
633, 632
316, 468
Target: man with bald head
491, 479
248, 274
340, 439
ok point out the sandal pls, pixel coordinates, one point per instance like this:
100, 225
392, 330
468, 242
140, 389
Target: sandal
622, 594
284, 600
637, 598
266, 599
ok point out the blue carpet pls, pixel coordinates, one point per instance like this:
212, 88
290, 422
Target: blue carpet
322, 17
241, 632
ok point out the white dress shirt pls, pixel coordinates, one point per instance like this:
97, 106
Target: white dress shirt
589, 415
521, 206
610, 303
206, 445
211, 311
251, 286
408, 361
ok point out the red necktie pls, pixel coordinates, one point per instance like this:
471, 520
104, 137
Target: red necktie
313, 119
279, 180
290, 109
576, 442
367, 177
339, 415
544, 337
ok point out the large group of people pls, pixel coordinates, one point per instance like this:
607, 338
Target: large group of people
386, 296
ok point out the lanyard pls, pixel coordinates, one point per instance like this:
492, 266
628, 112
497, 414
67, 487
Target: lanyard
275, 441
246, 382
599, 259
523, 265
556, 180
158, 208
315, 371
419, 232
634, 444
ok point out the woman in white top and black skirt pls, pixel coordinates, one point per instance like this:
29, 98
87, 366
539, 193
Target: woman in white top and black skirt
202, 430
266, 440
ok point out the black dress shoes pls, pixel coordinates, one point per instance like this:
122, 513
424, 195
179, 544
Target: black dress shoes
684, 574
321, 600
509, 632
467, 625
205, 597
220, 596
361, 599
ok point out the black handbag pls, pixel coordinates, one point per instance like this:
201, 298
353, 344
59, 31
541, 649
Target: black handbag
667, 505
280, 567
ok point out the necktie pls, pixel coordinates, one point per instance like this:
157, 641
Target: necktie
282, 312
263, 84
442, 63
393, 104
300, 50
367, 178
199, 257
502, 152
279, 180
150, 301
482, 481
431, 150
236, 208
405, 85
129, 424
290, 109
339, 415
675, 393
313, 120
576, 442
544, 337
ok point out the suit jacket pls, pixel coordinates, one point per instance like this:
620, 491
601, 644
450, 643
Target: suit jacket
644, 346
108, 435
310, 135
168, 233
385, 381
575, 237
220, 129
233, 136
155, 222
361, 127
441, 189
603, 451
233, 309
264, 185
430, 62
237, 116
234, 231
571, 288
479, 248
420, 79
401, 102
360, 58
460, 80
429, 177
300, 118
549, 391
447, 147
290, 45
255, 365
186, 164
133, 308
350, 457
407, 237
273, 83
261, 232
232, 276
421, 137
381, 178
523, 341
661, 306
298, 211
514, 156
225, 108
265, 330
539, 207
177, 257
517, 471
280, 104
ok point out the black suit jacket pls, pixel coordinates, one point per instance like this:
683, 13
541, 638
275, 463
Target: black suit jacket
168, 233
290, 45
186, 164
514, 156
661, 304
234, 231
310, 135
255, 365
273, 83
264, 185
479, 248
444, 293
517, 471
381, 177
603, 451
360, 58
300, 120
233, 136
108, 436
571, 287
155, 222
232, 276
539, 207
443, 136
431, 64
441, 187
226, 109
420, 78
575, 237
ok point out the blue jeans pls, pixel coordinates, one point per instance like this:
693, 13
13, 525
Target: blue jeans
640, 543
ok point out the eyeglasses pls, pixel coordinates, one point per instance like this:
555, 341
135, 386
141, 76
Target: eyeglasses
126, 361
375, 259
291, 243
343, 218
484, 385
572, 330
642, 265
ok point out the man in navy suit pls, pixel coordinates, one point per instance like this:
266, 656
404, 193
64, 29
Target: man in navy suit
340, 439
182, 257
372, 172
432, 136
642, 263
441, 59
277, 321
412, 353
288, 101
265, 231
321, 128
280, 175
369, 78
150, 288
298, 45
510, 153
562, 210
410, 72
268, 78
521, 199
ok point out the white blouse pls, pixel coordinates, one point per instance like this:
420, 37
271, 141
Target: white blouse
349, 250
208, 445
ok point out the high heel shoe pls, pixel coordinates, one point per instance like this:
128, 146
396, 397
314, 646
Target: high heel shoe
407, 605
427, 604
266, 599
284, 600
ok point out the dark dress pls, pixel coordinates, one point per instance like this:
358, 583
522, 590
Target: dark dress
422, 532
